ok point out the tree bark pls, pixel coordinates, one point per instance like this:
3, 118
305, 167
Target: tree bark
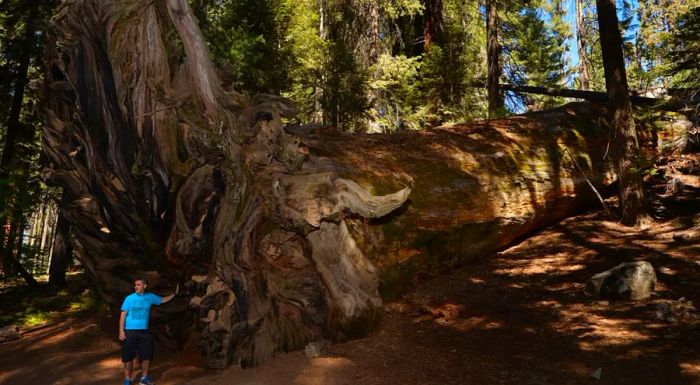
432, 23
581, 42
493, 54
626, 146
62, 251
282, 237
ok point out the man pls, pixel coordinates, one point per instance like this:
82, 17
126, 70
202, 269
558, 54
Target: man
133, 329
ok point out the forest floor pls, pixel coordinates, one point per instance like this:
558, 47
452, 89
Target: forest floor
520, 316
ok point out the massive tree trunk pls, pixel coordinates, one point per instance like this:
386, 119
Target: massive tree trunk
281, 237
626, 149
493, 59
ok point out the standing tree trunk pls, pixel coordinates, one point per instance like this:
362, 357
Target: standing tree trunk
432, 23
582, 42
493, 54
61, 254
13, 250
281, 237
319, 116
626, 146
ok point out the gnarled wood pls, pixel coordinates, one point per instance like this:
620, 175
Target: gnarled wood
280, 238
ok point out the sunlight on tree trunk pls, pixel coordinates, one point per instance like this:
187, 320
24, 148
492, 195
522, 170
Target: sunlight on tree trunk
625, 138
493, 52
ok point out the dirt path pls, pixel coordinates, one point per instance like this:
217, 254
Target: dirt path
518, 317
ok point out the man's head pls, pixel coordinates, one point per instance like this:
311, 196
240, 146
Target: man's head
140, 285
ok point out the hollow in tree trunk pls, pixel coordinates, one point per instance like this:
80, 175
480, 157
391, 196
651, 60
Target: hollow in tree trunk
62, 250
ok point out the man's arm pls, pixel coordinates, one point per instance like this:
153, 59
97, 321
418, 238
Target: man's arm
122, 320
171, 296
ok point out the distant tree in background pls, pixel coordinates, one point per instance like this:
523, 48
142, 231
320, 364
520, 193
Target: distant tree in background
494, 62
684, 54
659, 22
535, 50
22, 26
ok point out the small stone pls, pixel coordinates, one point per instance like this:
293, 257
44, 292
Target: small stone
9, 333
597, 373
314, 349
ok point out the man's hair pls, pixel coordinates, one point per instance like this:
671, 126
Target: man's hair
142, 279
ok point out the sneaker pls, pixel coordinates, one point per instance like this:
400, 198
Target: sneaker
127, 382
146, 380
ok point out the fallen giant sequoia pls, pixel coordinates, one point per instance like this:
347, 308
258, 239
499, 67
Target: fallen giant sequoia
281, 237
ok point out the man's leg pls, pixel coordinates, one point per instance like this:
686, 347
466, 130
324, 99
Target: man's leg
145, 353
128, 367
128, 353
145, 364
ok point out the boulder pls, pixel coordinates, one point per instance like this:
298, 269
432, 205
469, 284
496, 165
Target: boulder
627, 281
9, 333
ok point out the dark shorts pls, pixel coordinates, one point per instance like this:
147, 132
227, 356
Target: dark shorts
137, 342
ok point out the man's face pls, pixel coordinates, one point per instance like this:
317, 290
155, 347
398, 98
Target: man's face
139, 287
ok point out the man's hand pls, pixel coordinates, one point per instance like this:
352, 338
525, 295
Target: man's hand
122, 322
167, 299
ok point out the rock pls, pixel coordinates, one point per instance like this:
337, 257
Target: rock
597, 373
9, 333
627, 281
314, 349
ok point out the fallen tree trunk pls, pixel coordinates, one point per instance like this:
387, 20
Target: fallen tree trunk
281, 236
679, 99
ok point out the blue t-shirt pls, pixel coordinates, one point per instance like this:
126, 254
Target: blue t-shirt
138, 310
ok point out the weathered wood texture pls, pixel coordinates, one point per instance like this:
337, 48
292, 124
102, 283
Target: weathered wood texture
280, 236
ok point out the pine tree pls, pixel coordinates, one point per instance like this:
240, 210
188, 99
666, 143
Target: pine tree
21, 48
535, 50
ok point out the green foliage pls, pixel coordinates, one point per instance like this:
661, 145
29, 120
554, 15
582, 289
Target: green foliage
27, 307
395, 85
535, 50
307, 48
22, 38
660, 22
685, 50
452, 66
591, 46
247, 38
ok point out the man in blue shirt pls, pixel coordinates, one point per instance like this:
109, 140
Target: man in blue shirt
133, 329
